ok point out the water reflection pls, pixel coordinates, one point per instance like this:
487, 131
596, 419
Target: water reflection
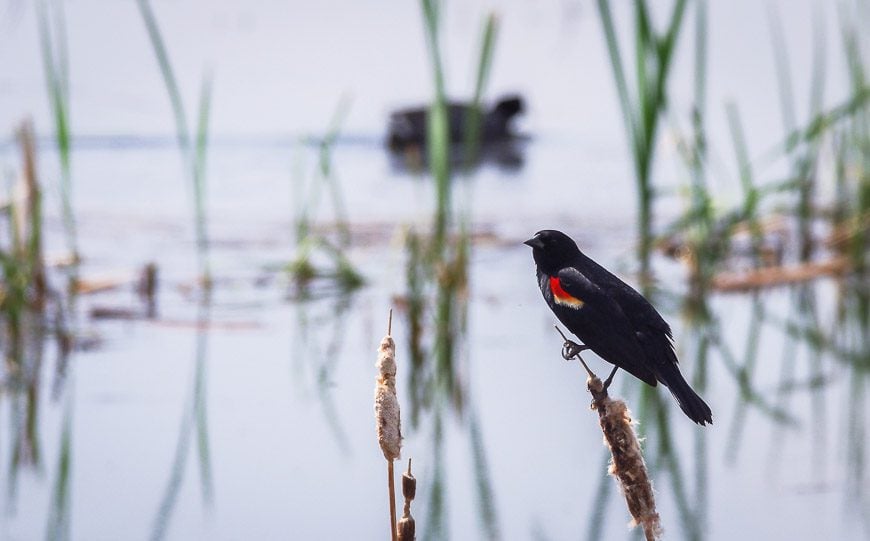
59, 510
194, 426
24, 352
435, 306
31, 313
819, 336
436, 309
319, 333
508, 155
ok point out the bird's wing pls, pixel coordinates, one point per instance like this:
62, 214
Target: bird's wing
580, 287
603, 326
645, 314
641, 314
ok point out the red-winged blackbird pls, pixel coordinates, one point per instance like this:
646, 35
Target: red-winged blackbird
611, 318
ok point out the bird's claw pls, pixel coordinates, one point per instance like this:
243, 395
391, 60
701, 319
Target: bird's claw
571, 349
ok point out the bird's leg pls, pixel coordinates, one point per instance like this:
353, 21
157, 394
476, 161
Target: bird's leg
571, 349
609, 379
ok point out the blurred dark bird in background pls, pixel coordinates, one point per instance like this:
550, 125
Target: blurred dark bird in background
407, 132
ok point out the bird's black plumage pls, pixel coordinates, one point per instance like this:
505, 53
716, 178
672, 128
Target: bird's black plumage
611, 318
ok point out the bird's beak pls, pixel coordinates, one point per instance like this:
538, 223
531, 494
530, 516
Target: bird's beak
534, 242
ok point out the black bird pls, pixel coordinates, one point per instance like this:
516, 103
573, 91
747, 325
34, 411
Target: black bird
408, 127
611, 318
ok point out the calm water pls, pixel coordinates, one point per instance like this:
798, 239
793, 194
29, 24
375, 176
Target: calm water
259, 425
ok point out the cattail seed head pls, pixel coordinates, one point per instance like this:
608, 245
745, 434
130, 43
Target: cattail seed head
407, 528
627, 464
409, 485
386, 404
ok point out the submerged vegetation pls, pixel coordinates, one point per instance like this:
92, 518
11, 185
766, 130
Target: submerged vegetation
313, 244
31, 312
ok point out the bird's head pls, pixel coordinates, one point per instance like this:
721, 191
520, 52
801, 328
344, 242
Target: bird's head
552, 250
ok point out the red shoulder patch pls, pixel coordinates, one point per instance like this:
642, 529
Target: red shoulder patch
563, 297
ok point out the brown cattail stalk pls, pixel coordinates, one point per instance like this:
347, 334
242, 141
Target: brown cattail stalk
387, 414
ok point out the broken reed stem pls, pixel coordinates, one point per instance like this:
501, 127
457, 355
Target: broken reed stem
781, 275
387, 414
626, 464
29, 217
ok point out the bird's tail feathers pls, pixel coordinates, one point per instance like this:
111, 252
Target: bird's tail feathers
692, 405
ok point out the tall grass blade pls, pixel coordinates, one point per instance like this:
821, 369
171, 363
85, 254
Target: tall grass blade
783, 71
438, 128
193, 157
742, 155
199, 176
327, 147
642, 111
56, 66
617, 66
151, 26
475, 113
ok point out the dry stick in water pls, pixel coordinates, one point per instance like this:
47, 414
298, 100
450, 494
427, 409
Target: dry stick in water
626, 464
407, 528
29, 216
387, 414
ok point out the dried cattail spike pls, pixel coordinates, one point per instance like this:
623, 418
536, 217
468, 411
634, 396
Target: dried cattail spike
386, 404
407, 528
409, 484
627, 464
387, 416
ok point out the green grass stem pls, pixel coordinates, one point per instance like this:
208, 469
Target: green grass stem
475, 114
438, 128
194, 158
199, 178
56, 67
643, 105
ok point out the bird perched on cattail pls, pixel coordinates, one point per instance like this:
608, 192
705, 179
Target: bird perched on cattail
610, 318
